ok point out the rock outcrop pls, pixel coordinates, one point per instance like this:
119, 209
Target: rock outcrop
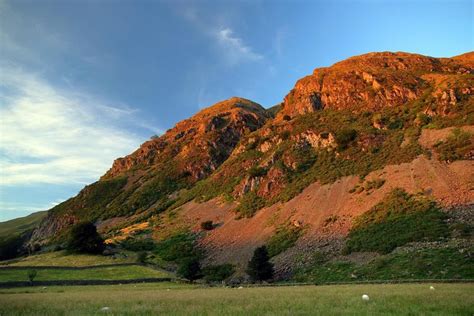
199, 144
373, 81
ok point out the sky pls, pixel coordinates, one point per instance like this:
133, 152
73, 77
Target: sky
83, 82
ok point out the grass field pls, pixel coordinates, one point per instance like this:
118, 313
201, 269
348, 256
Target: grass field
61, 258
106, 273
175, 299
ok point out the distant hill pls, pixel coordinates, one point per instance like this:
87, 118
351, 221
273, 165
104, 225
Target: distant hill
20, 225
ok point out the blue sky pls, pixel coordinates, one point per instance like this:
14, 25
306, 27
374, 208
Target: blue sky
83, 82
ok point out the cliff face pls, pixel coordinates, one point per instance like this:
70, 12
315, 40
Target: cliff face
342, 139
377, 80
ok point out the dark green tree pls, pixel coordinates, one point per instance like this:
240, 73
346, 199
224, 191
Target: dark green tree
32, 275
83, 237
259, 267
189, 269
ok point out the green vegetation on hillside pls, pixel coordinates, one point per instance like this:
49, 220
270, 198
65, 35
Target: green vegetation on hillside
20, 225
93, 199
285, 237
15, 232
400, 218
361, 149
249, 204
457, 146
178, 247
218, 273
442, 263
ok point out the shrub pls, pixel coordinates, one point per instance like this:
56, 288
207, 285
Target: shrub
31, 275
400, 218
456, 147
259, 267
285, 135
218, 273
83, 237
189, 269
286, 117
395, 123
207, 225
250, 204
256, 171
177, 248
344, 137
284, 238
461, 230
142, 256
374, 184
422, 119
138, 244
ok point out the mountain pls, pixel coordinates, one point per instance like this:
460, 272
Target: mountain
362, 158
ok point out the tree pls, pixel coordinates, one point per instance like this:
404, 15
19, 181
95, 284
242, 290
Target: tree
259, 267
190, 269
83, 237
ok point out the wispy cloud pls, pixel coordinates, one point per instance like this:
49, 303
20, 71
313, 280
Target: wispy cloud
231, 46
234, 47
50, 135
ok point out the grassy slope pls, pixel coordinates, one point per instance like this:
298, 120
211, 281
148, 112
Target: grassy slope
107, 273
61, 258
445, 263
20, 225
172, 299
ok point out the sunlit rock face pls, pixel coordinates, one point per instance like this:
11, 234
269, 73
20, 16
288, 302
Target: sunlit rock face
376, 80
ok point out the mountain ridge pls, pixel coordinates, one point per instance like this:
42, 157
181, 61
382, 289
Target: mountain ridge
336, 140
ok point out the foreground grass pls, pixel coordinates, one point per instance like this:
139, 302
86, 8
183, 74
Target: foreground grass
173, 299
107, 273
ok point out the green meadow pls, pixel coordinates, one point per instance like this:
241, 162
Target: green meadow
183, 299
99, 273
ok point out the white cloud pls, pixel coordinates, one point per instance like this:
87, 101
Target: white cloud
49, 135
231, 47
235, 48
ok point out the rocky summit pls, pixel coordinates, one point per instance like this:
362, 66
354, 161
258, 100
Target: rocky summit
369, 158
